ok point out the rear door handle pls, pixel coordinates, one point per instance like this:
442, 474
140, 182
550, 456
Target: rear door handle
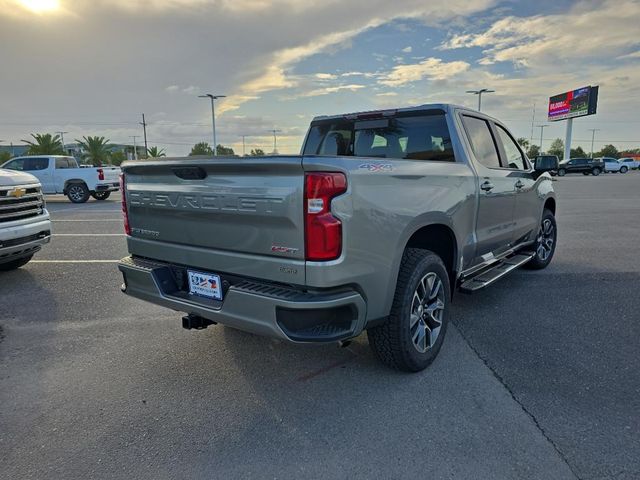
487, 186
519, 184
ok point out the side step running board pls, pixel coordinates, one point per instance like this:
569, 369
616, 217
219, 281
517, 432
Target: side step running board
495, 272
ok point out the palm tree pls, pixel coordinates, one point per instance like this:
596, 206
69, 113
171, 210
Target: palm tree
155, 152
96, 149
44, 144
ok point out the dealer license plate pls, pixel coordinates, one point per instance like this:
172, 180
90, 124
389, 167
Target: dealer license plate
205, 285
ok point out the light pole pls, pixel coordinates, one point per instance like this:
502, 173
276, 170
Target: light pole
275, 140
479, 93
243, 145
213, 98
593, 136
62, 138
541, 127
135, 147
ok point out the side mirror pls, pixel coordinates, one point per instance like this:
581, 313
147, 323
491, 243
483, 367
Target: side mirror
545, 164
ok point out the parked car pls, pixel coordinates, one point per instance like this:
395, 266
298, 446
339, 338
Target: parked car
372, 227
630, 163
60, 174
613, 165
585, 166
24, 221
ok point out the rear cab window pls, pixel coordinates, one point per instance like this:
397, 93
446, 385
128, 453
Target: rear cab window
418, 135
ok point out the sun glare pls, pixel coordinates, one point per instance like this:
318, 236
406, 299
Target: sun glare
41, 6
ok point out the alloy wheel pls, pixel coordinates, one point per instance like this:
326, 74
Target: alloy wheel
76, 192
546, 238
427, 310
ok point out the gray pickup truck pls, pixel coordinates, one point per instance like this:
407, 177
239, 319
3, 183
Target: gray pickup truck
373, 226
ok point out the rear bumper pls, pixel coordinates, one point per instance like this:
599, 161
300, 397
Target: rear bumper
260, 308
108, 187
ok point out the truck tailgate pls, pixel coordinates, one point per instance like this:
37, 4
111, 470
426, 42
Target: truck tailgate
111, 175
237, 215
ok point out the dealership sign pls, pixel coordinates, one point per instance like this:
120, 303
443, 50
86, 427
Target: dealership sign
576, 103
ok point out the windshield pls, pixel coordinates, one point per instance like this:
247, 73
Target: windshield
415, 136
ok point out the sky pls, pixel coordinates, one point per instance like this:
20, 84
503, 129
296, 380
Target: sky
92, 67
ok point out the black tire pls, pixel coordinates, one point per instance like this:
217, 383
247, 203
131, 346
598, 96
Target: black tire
5, 267
585, 173
540, 261
101, 195
78, 193
595, 172
624, 169
397, 343
562, 172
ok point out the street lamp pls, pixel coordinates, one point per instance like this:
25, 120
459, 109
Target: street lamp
275, 140
479, 93
593, 137
213, 117
541, 127
62, 138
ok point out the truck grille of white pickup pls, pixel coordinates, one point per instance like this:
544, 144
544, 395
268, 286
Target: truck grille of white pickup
17, 203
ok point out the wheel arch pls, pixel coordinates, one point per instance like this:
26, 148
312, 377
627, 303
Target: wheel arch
73, 181
550, 204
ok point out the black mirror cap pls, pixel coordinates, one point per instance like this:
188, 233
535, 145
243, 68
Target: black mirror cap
546, 163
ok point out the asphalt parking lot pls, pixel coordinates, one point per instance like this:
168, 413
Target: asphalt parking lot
538, 378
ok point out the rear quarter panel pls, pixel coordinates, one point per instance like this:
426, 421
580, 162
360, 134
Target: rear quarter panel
386, 202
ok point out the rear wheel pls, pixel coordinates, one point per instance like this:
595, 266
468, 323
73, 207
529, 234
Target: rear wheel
624, 170
101, 195
545, 245
5, 267
595, 171
411, 337
561, 172
78, 193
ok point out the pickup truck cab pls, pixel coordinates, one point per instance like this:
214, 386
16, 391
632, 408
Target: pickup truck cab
61, 174
372, 227
24, 221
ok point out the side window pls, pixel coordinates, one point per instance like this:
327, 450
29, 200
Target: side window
481, 141
15, 165
514, 155
62, 163
35, 164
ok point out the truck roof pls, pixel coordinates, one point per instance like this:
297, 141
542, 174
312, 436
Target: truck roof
447, 107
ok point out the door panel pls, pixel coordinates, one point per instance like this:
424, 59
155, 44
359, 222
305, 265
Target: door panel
497, 195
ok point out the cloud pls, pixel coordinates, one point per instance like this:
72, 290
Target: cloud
387, 94
431, 68
580, 34
407, 49
327, 90
326, 76
632, 55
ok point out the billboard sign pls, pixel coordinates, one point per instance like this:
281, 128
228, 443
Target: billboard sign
576, 103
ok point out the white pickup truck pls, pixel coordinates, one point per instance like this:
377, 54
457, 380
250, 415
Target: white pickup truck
61, 174
24, 221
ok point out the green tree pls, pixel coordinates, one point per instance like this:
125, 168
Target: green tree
44, 144
533, 152
117, 158
155, 152
202, 148
557, 148
523, 142
608, 151
578, 153
97, 150
222, 150
4, 157
257, 152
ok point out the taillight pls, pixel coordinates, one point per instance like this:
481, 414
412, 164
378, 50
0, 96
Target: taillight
323, 231
100, 174
125, 211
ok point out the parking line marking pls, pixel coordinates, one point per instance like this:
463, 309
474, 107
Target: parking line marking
74, 261
88, 235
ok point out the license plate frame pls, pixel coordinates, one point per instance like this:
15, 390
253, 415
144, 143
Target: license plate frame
204, 284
